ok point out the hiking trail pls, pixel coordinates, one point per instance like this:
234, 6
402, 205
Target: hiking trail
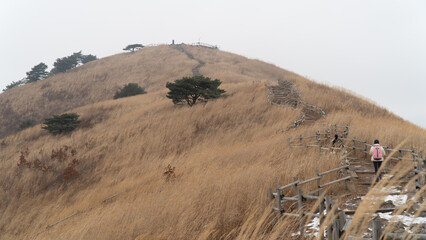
196, 70
360, 168
285, 94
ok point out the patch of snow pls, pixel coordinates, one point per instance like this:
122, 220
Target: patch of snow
295, 234
397, 200
389, 190
406, 220
314, 225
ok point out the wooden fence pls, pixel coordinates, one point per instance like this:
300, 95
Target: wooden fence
315, 194
204, 45
336, 228
321, 139
378, 234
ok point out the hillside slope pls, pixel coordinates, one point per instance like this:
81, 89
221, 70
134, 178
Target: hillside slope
98, 80
226, 153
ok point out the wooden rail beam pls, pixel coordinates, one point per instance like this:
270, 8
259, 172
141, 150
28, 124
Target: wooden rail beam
336, 181
333, 170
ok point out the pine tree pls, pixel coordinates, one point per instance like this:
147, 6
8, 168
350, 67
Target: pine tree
38, 72
193, 89
61, 123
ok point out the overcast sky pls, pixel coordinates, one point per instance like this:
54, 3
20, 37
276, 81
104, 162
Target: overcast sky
374, 48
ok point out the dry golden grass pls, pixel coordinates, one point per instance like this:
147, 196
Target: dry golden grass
226, 155
97, 81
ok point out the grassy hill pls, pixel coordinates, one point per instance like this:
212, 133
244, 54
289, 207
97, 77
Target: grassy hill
226, 153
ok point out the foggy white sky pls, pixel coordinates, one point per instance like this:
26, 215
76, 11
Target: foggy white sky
374, 48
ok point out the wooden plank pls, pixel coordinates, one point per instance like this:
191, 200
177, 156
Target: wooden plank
336, 181
289, 185
289, 199
333, 170
382, 210
314, 191
356, 238
309, 180
290, 214
406, 236
310, 197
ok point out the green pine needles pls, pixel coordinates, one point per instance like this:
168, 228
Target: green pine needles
128, 90
193, 89
61, 123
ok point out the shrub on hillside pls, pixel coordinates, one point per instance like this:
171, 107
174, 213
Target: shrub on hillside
64, 64
193, 89
15, 84
26, 124
60, 165
128, 90
61, 123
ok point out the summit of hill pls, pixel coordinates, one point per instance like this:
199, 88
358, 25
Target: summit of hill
143, 168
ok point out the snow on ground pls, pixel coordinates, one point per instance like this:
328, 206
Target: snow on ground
408, 221
397, 200
314, 226
389, 190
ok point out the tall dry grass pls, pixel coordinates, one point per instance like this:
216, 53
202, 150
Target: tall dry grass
226, 155
98, 80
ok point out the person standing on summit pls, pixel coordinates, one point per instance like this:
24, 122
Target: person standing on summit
377, 156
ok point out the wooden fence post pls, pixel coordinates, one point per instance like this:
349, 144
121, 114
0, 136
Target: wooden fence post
317, 137
354, 145
321, 214
328, 208
345, 174
346, 132
300, 206
336, 230
319, 183
280, 210
420, 177
377, 230
366, 150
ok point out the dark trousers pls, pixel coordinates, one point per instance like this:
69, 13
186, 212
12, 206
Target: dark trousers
377, 165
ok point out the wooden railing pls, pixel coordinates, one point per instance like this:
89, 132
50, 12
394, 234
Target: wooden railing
299, 197
321, 139
204, 45
335, 229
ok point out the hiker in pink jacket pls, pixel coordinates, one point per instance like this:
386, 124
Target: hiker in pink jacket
377, 156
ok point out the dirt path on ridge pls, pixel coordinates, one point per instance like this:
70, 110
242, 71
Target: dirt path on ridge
196, 70
285, 94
